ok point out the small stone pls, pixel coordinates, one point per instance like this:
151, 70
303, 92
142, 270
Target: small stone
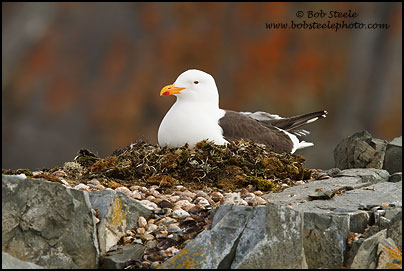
134, 187
165, 204
142, 221
152, 227
260, 201
180, 187
189, 194
135, 195
174, 198
154, 265
173, 228
258, 193
166, 221
127, 239
123, 189
151, 244
189, 199
201, 201
284, 185
65, 183
201, 194
231, 199
94, 182
243, 192
140, 230
59, 173
216, 196
151, 198
137, 241
171, 251
162, 234
243, 203
179, 213
147, 236
149, 205
34, 173
81, 187
189, 207
298, 182
182, 203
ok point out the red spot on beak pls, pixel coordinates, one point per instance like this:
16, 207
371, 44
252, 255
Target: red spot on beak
166, 93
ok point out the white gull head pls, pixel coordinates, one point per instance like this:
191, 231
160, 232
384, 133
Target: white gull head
195, 114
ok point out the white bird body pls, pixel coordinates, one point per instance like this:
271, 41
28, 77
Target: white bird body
196, 116
196, 122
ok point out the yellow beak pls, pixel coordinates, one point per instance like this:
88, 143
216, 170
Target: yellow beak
170, 90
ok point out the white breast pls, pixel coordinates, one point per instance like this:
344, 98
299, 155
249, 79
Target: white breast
191, 123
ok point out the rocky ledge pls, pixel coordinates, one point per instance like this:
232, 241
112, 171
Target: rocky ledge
209, 207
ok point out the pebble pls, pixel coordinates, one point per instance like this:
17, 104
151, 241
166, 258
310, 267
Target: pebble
142, 222
149, 205
135, 195
189, 194
201, 201
123, 189
147, 236
260, 201
258, 193
174, 198
65, 183
151, 198
127, 239
180, 187
81, 187
59, 173
179, 213
182, 203
216, 196
154, 265
173, 228
171, 251
165, 204
284, 185
140, 230
189, 207
299, 182
152, 227
243, 203
151, 244
231, 199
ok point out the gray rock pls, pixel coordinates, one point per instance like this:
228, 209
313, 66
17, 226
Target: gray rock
328, 221
10, 262
396, 177
366, 255
393, 160
244, 237
360, 151
117, 213
395, 225
324, 239
48, 224
388, 256
282, 246
120, 256
368, 175
214, 248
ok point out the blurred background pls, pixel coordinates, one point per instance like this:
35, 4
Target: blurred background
88, 75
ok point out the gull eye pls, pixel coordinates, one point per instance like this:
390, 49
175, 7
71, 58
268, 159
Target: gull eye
196, 82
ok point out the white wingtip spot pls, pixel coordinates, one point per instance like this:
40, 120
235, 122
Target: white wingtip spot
311, 120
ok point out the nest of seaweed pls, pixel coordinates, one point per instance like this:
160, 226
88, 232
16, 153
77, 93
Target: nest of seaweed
207, 165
